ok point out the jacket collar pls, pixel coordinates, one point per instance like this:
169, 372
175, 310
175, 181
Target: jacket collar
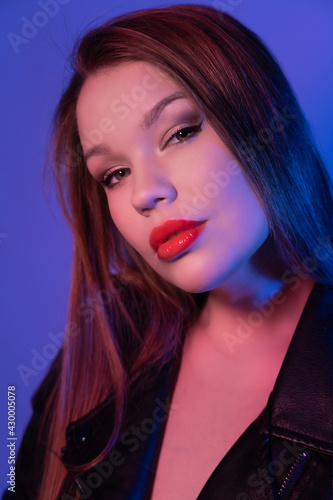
301, 401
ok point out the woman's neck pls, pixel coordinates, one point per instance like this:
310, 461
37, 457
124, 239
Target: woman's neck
259, 302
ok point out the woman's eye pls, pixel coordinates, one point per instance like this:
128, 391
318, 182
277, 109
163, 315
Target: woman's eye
113, 178
183, 134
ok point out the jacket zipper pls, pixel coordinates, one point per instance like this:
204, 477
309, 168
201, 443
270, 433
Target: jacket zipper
72, 475
300, 460
78, 485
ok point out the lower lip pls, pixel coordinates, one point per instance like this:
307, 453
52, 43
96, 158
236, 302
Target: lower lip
179, 244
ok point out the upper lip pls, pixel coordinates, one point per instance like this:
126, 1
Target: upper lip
160, 234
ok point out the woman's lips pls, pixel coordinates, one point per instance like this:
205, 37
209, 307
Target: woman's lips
187, 232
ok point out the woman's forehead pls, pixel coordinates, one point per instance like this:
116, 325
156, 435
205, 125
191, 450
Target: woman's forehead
128, 90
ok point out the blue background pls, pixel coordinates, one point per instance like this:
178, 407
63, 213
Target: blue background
35, 245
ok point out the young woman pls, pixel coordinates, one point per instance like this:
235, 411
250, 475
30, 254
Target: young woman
197, 358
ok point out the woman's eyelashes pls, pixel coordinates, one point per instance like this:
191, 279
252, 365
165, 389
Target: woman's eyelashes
182, 134
114, 177
111, 179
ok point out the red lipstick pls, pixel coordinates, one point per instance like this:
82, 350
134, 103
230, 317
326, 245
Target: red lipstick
183, 234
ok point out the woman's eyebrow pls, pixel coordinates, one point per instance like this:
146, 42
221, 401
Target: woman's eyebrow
152, 115
148, 120
98, 149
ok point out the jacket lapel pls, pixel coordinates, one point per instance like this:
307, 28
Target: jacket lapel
128, 471
302, 395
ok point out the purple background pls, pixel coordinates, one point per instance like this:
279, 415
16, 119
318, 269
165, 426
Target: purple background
35, 245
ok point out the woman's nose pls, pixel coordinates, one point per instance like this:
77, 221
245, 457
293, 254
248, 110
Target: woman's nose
150, 186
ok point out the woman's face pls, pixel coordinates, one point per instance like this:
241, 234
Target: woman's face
174, 190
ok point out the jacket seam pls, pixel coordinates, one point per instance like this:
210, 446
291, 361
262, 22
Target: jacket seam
316, 444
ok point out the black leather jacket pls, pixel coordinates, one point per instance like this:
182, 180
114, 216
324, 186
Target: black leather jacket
285, 454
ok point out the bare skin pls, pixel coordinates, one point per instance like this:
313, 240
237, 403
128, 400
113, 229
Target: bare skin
219, 390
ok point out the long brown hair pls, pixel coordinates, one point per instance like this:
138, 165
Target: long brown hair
124, 320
